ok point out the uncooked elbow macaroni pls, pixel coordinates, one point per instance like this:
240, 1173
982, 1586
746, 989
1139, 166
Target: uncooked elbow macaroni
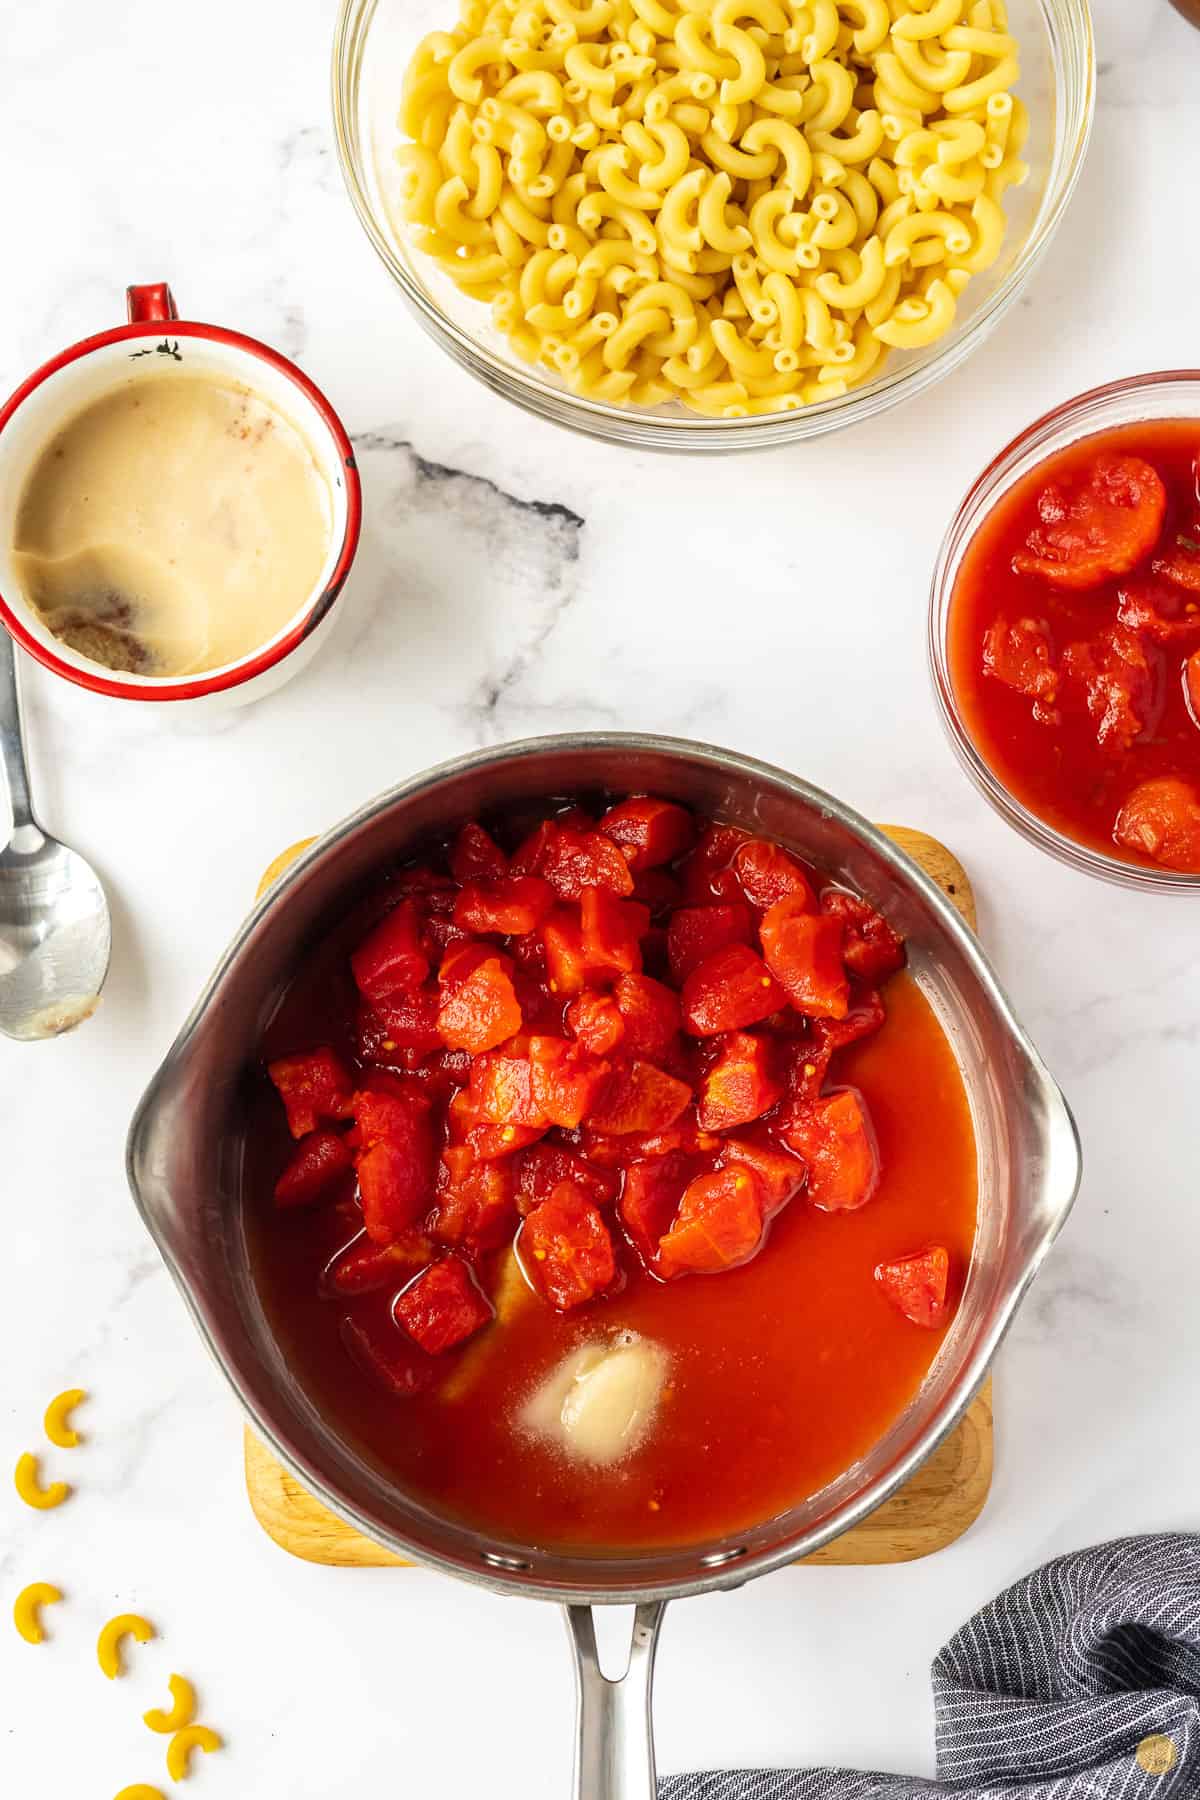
27, 1609
57, 1428
179, 1750
182, 1710
27, 1481
740, 205
108, 1645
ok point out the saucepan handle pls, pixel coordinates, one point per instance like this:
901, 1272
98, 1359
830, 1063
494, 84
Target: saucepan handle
614, 1748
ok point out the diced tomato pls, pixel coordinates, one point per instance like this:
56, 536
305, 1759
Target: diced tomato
318, 1161
743, 1083
434, 892
395, 1161
706, 873
639, 1097
573, 859
917, 1285
695, 933
439, 1073
566, 1248
529, 858
657, 890
812, 1057
462, 1115
443, 1306
387, 1355
683, 1133
1161, 820
719, 1224
649, 832
567, 1079
1117, 681
650, 1199
1159, 612
767, 874
596, 1022
730, 989
479, 1006
781, 1174
833, 1134
476, 855
1180, 565
315, 1086
405, 1022
804, 952
491, 1142
566, 964
502, 1088
1019, 653
475, 1201
1095, 525
391, 959
382, 1108
612, 931
650, 1014
363, 1266
540, 1169
529, 953
871, 949
508, 904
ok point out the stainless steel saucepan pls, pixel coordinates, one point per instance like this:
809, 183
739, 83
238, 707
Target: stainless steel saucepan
185, 1159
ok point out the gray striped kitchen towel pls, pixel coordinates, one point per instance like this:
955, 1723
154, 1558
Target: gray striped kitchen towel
1082, 1682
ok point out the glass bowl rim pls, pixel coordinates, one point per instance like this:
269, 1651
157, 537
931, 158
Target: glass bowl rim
974, 507
648, 428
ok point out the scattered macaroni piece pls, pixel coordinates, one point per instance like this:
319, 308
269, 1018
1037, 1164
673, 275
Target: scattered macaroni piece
740, 205
57, 1429
108, 1645
179, 1750
26, 1608
183, 1708
29, 1486
140, 1791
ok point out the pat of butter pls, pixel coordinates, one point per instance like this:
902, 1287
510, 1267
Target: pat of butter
599, 1403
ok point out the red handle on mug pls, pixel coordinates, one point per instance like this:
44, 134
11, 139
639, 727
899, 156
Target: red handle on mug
152, 301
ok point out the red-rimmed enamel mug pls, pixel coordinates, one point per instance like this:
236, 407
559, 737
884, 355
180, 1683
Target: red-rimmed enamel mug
154, 340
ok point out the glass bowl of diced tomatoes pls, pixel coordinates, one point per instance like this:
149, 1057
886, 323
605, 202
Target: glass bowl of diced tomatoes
1064, 632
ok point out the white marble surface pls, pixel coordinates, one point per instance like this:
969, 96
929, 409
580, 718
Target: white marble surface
138, 142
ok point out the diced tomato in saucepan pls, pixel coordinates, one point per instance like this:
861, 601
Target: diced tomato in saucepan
649, 832
476, 856
917, 1285
392, 959
697, 932
731, 989
315, 1087
442, 1306
566, 1248
317, 1163
804, 953
833, 1135
719, 1224
531, 1123
768, 873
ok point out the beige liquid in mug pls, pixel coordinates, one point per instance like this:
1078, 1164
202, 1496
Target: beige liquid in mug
174, 525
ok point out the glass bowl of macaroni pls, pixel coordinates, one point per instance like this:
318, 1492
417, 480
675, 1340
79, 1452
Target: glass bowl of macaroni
718, 225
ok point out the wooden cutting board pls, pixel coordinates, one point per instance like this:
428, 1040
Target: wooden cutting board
942, 1499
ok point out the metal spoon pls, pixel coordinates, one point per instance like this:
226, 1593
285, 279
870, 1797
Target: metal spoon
55, 930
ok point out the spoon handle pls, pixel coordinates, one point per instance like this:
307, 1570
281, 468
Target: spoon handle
12, 741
